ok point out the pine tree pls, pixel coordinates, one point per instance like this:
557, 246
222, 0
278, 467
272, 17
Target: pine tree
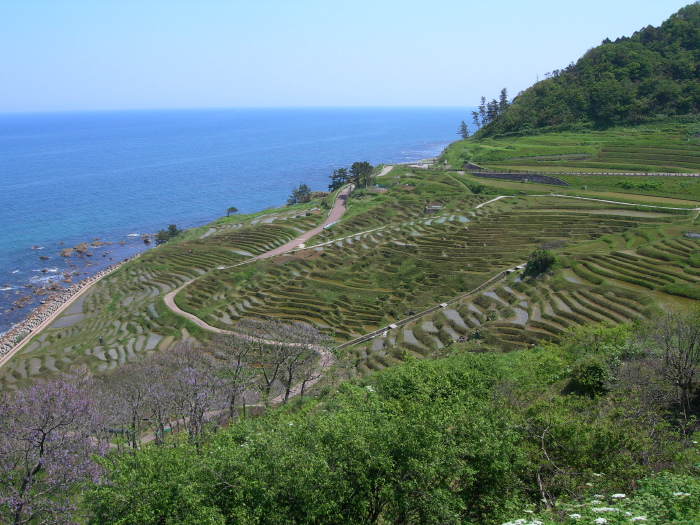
463, 130
338, 178
482, 112
503, 101
475, 118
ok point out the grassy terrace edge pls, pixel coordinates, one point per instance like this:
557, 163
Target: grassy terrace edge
386, 260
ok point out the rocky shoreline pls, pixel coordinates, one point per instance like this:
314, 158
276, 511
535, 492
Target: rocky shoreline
43, 312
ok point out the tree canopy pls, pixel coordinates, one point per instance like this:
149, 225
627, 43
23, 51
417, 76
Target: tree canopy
165, 235
361, 173
300, 195
652, 74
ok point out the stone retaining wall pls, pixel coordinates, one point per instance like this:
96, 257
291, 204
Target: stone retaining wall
42, 313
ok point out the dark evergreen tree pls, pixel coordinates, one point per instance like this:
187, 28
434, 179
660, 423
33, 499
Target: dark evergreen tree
299, 195
165, 235
338, 179
361, 173
482, 112
503, 101
463, 130
475, 118
491, 111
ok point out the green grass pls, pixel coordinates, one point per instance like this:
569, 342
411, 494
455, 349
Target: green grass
385, 260
644, 149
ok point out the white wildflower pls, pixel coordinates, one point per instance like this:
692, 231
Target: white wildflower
369, 388
528, 511
605, 509
681, 494
596, 502
618, 496
575, 516
597, 475
600, 521
639, 518
596, 496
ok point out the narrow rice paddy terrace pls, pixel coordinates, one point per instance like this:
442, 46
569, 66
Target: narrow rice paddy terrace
372, 279
615, 279
426, 240
670, 147
126, 309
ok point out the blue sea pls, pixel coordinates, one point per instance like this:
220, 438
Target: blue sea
67, 178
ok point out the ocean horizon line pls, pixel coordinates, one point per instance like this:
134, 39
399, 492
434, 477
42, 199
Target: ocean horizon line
468, 109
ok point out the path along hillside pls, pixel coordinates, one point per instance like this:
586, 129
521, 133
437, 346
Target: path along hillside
422, 241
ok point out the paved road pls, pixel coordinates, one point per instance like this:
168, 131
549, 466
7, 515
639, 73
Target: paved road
334, 215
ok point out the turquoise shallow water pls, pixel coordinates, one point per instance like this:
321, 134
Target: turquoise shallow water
72, 177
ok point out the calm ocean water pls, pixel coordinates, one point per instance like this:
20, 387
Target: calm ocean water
73, 177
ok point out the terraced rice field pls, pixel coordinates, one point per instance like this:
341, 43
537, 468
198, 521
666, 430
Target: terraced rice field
387, 259
512, 315
358, 284
653, 148
616, 279
125, 310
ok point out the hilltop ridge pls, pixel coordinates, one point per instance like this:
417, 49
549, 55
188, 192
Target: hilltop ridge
649, 76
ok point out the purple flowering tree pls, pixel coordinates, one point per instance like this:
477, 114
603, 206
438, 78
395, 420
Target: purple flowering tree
48, 433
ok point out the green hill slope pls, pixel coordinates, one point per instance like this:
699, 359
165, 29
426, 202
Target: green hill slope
651, 75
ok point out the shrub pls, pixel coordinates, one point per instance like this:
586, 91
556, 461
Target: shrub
540, 261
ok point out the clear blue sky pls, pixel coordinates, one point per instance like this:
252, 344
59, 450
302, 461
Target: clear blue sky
128, 54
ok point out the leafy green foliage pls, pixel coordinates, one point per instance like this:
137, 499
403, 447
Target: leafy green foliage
300, 195
419, 444
471, 438
540, 261
339, 178
156, 486
629, 81
164, 236
361, 173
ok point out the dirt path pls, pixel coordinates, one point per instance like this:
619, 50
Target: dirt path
385, 170
333, 216
587, 199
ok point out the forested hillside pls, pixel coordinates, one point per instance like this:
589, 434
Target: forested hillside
651, 75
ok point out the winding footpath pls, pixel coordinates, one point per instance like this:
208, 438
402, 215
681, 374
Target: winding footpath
333, 216
326, 357
45, 315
